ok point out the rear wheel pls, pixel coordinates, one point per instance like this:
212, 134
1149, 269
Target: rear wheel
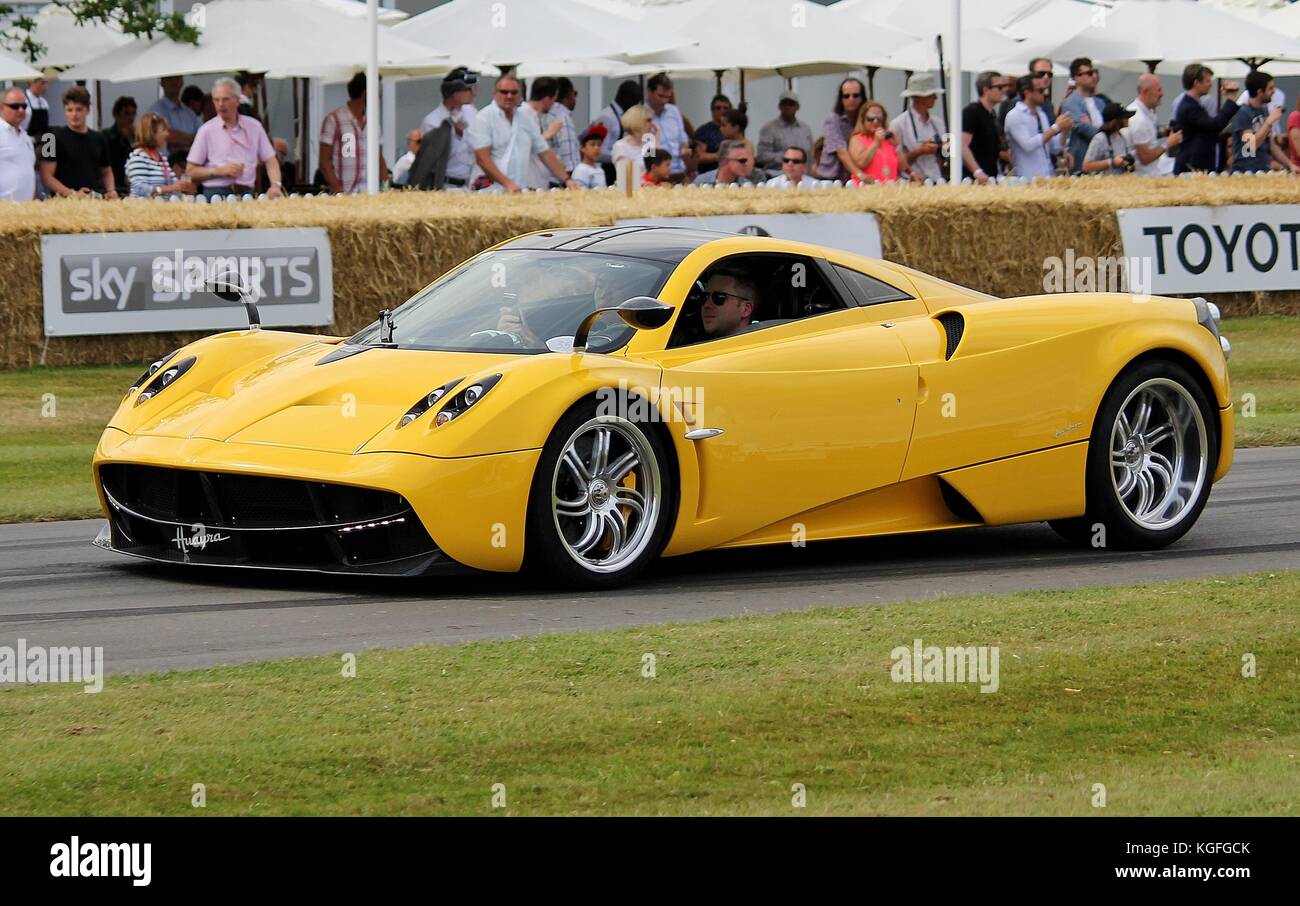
600, 504
1151, 461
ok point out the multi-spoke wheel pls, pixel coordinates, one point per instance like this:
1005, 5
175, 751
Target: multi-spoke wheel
598, 510
1151, 460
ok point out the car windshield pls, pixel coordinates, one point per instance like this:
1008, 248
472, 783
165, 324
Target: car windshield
523, 301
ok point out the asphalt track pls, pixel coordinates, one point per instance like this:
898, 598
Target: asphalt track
55, 589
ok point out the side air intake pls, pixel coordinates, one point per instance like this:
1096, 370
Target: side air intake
954, 325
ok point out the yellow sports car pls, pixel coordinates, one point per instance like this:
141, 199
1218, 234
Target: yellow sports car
581, 401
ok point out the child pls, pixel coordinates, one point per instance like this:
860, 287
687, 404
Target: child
658, 165
589, 174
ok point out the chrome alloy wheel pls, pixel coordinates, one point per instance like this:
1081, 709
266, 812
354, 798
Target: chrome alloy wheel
1158, 453
606, 494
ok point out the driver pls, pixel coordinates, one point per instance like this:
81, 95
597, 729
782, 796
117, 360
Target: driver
728, 306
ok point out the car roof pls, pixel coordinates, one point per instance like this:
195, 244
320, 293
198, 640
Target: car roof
658, 243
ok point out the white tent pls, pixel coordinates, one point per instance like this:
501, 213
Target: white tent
68, 43
14, 68
483, 32
1137, 31
281, 37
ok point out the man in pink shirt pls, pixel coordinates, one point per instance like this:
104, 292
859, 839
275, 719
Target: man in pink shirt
228, 148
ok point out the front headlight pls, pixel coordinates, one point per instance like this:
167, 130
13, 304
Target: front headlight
457, 405
168, 376
427, 402
149, 372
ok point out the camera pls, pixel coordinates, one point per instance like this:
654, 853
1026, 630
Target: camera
1129, 160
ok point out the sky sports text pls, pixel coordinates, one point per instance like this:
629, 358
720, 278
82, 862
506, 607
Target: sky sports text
57, 664
103, 860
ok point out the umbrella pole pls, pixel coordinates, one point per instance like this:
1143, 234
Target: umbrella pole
954, 99
871, 80
717, 81
1151, 65
372, 97
742, 89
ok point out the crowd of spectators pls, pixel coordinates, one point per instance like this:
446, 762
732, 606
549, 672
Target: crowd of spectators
525, 137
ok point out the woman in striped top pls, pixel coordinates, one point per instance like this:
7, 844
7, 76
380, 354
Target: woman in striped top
147, 169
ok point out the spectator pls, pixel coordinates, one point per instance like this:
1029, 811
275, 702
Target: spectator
1109, 152
565, 142
1200, 129
249, 83
735, 165
1041, 69
589, 174
541, 107
147, 168
628, 96
673, 135
875, 156
919, 130
734, 124
1085, 106
1034, 139
121, 138
457, 108
980, 142
834, 161
637, 124
343, 143
1150, 153
81, 163
194, 98
505, 142
17, 156
182, 120
794, 170
1278, 102
658, 164
709, 136
402, 169
1293, 134
288, 168
178, 163
37, 121
1253, 149
228, 147
779, 135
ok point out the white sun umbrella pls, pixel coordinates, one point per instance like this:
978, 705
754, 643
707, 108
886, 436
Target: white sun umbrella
489, 31
283, 37
13, 68
68, 43
1285, 21
357, 10
1137, 31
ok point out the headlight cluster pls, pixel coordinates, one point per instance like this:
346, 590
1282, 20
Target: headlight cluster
1208, 316
451, 406
150, 372
159, 376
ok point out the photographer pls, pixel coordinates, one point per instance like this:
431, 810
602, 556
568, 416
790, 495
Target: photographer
1109, 152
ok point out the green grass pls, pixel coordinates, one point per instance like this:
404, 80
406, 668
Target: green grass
1136, 688
1266, 363
45, 462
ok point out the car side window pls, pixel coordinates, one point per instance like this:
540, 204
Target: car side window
746, 293
869, 290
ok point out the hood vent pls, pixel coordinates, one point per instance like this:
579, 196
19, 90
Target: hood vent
954, 325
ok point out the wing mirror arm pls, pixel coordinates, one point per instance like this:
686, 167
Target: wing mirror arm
639, 312
229, 289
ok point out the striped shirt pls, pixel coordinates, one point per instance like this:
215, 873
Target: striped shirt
345, 133
145, 170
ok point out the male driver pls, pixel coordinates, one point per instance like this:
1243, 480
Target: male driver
794, 171
728, 306
736, 166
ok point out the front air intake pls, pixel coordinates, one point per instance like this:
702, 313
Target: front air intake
954, 325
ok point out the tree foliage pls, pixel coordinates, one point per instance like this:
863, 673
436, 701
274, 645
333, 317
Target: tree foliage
134, 17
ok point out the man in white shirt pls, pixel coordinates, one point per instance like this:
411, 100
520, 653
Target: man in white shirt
504, 142
458, 106
402, 169
1152, 156
794, 171
920, 129
1032, 139
17, 156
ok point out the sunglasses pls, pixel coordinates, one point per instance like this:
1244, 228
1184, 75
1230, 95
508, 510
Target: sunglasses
874, 119
855, 94
16, 106
738, 160
718, 297
508, 91
1086, 72
793, 160
1045, 72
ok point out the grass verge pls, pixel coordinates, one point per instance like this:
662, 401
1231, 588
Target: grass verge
1137, 688
45, 458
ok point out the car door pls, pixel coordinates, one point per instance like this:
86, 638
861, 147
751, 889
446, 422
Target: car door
808, 411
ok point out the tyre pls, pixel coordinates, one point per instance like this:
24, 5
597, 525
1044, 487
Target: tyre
1151, 461
602, 500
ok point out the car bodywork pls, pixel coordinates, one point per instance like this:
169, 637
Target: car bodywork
938, 408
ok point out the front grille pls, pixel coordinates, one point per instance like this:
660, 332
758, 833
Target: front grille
226, 519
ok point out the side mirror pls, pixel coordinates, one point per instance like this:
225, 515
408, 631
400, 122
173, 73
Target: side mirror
639, 312
228, 288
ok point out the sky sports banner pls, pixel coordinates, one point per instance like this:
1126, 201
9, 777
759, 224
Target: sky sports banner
107, 283
1230, 248
855, 233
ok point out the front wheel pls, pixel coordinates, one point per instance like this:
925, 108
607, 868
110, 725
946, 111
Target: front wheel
1151, 461
600, 505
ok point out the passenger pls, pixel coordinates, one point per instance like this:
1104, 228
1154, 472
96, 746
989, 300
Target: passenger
728, 306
